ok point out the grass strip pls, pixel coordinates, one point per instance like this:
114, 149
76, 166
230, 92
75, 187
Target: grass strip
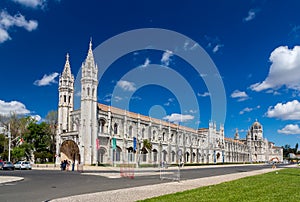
280, 185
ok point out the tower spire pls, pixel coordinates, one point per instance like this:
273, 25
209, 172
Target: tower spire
67, 68
90, 52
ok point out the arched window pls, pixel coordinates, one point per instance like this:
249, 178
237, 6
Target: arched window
154, 135
172, 138
130, 131
163, 136
88, 91
101, 126
186, 141
115, 128
143, 133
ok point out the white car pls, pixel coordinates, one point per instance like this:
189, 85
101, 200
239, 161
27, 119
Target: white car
23, 165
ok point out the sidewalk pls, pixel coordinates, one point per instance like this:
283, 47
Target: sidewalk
9, 179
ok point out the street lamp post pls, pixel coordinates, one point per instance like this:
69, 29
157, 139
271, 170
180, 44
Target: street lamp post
7, 132
160, 151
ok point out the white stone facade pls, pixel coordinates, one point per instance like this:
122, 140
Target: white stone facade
86, 135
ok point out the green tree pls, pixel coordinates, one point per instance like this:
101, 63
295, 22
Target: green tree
3, 146
39, 137
147, 145
51, 119
18, 153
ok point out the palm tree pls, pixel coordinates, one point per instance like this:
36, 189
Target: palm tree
147, 146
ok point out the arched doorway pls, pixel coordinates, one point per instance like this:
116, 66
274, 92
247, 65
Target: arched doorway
69, 151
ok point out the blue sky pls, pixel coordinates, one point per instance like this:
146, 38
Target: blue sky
254, 45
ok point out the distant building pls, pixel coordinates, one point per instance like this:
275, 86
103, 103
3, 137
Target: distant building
100, 133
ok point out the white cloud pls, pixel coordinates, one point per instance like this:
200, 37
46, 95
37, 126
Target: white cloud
31, 3
290, 129
288, 111
118, 98
166, 57
36, 117
126, 85
4, 36
7, 21
170, 100
241, 95
6, 108
284, 70
146, 63
247, 109
217, 48
107, 98
176, 118
136, 98
46, 80
206, 94
188, 46
251, 15
193, 111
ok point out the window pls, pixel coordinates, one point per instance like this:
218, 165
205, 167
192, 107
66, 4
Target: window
143, 133
88, 91
115, 128
154, 135
101, 126
130, 131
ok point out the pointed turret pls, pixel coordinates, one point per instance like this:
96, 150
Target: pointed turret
90, 52
89, 61
236, 136
67, 69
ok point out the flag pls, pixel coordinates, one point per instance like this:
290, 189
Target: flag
134, 143
114, 143
97, 143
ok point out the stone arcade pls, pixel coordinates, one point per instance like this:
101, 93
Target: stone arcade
105, 134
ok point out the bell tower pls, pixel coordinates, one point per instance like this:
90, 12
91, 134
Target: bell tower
88, 129
66, 94
65, 104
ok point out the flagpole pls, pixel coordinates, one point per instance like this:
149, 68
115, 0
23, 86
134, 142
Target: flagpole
9, 141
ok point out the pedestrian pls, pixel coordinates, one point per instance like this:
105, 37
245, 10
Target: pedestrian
68, 165
73, 165
64, 164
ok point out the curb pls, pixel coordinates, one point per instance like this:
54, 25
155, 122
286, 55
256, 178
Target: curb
9, 179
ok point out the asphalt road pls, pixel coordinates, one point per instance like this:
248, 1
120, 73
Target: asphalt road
44, 185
